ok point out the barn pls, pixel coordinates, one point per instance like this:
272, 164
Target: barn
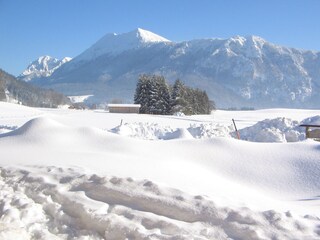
312, 131
312, 128
123, 108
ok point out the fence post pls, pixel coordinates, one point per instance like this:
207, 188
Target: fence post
234, 124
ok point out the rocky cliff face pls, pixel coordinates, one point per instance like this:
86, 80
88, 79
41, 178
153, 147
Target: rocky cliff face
44, 66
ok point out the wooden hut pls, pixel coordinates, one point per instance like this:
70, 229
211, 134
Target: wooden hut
123, 108
312, 130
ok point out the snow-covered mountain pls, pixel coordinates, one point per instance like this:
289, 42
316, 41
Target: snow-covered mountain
235, 72
113, 44
44, 66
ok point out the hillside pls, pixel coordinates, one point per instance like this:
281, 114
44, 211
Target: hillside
235, 72
13, 90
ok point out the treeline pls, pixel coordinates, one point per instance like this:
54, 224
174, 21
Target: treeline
28, 94
156, 97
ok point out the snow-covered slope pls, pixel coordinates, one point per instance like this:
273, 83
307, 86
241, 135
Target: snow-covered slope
113, 43
72, 179
16, 91
236, 72
44, 66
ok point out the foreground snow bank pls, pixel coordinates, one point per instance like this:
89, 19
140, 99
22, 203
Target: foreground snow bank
289, 171
63, 177
269, 130
68, 203
153, 131
274, 130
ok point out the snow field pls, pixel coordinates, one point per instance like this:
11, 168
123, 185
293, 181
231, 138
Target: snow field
66, 203
65, 174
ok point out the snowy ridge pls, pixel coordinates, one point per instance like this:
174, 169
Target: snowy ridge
113, 43
44, 66
149, 37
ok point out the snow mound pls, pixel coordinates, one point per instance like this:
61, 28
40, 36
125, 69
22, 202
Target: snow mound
273, 130
209, 130
67, 203
36, 126
180, 133
153, 131
147, 131
46, 131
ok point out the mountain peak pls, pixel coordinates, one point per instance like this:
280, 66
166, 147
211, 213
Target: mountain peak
256, 39
45, 58
113, 43
148, 37
44, 66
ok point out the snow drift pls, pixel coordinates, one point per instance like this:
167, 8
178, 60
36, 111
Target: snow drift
274, 130
268, 130
63, 176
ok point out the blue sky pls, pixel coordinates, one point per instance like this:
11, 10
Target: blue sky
60, 28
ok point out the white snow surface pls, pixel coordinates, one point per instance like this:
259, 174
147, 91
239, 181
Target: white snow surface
154, 131
315, 120
65, 174
274, 130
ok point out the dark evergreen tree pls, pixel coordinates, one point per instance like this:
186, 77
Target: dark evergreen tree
153, 93
160, 101
179, 102
143, 93
2, 91
190, 101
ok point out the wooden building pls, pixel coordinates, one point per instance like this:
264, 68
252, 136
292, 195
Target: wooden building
123, 108
312, 130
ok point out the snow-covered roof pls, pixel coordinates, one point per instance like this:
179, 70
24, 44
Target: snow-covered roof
312, 121
124, 105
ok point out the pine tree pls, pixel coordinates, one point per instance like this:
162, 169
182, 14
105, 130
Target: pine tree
159, 96
142, 94
153, 93
178, 97
163, 103
2, 91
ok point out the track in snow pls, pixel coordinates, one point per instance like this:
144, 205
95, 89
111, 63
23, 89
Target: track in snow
67, 203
